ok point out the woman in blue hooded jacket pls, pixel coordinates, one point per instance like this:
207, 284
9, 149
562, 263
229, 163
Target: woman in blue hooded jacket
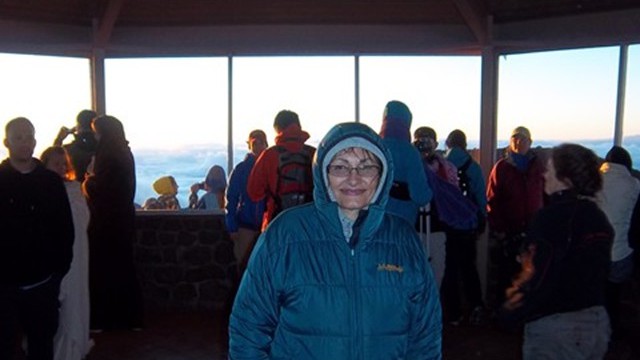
339, 278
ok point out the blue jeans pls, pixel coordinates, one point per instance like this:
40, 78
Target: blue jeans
577, 335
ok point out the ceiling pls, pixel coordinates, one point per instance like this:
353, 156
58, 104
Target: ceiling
258, 27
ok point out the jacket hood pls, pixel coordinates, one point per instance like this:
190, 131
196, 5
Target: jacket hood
292, 137
343, 136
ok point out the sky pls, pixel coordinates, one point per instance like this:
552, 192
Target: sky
181, 106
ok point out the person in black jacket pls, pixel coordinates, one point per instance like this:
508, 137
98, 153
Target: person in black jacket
35, 246
560, 291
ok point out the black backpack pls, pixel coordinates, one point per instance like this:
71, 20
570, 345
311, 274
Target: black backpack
465, 187
295, 181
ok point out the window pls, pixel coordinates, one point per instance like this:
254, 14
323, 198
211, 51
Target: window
175, 115
441, 92
631, 127
560, 96
48, 90
319, 89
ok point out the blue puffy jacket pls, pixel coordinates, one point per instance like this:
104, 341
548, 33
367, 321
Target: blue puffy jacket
309, 294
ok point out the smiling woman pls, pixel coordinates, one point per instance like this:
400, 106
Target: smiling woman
340, 270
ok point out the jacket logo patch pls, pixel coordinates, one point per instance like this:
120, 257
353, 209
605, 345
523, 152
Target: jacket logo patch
390, 267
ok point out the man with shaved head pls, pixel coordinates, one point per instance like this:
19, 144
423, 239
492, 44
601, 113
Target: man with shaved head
35, 246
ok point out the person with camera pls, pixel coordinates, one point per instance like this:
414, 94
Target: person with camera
214, 185
84, 143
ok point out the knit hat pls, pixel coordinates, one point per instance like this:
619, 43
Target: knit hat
457, 138
165, 185
396, 121
521, 131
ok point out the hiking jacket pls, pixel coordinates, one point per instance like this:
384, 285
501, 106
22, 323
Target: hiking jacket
36, 225
242, 212
309, 294
407, 161
513, 197
566, 265
263, 180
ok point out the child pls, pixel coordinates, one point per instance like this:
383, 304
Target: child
167, 188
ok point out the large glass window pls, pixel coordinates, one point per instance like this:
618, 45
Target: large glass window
631, 128
48, 90
441, 92
319, 89
560, 96
175, 115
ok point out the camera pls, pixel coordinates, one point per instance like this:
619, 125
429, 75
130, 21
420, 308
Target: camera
69, 130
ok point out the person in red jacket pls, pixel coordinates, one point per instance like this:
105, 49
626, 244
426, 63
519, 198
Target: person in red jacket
515, 192
265, 180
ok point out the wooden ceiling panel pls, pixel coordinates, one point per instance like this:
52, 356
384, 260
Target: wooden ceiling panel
256, 12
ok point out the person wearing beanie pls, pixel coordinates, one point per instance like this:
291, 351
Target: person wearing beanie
84, 144
461, 249
214, 185
340, 277
167, 189
515, 192
620, 201
264, 179
244, 216
410, 188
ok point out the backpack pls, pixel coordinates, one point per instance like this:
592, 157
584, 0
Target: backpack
295, 181
450, 209
465, 188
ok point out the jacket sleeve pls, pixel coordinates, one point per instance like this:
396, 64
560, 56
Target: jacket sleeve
494, 215
233, 195
419, 188
258, 182
425, 337
255, 313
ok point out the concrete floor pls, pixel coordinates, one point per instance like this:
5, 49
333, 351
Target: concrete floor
199, 335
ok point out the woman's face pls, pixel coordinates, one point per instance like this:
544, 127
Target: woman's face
58, 164
551, 182
353, 177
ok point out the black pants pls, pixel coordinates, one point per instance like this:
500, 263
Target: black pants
460, 273
35, 312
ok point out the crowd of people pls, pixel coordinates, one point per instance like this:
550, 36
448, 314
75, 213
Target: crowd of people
335, 247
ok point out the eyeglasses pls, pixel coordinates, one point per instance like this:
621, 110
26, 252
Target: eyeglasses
367, 171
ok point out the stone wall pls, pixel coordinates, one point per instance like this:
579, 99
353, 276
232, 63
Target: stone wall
184, 259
